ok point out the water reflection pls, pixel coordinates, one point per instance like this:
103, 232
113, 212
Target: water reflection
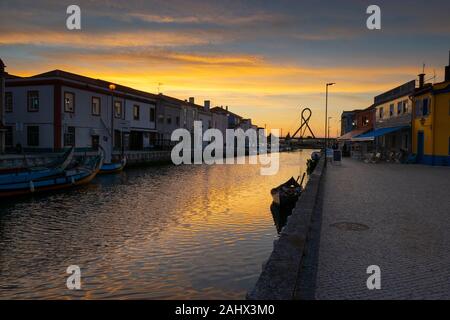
187, 232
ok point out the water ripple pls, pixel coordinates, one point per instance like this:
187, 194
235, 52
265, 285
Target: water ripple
187, 232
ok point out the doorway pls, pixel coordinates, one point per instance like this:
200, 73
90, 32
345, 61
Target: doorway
420, 144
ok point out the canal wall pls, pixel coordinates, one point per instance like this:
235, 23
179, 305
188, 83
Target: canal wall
139, 158
279, 277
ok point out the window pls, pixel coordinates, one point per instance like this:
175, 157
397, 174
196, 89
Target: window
405, 106
69, 137
69, 102
418, 107
118, 109
426, 107
96, 106
9, 136
33, 101
177, 121
365, 121
33, 136
381, 112
391, 110
8, 102
399, 107
169, 120
152, 114
136, 112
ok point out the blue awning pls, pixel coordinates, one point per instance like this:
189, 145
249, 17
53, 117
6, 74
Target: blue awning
371, 135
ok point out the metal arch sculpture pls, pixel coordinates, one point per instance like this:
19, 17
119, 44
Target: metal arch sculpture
304, 124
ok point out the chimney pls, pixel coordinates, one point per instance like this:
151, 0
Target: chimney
207, 104
191, 100
421, 80
226, 108
447, 69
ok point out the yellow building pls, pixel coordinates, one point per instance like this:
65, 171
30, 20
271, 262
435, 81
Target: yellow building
431, 122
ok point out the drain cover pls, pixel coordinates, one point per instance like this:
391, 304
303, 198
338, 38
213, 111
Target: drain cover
350, 226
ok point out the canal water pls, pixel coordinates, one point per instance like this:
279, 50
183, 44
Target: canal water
166, 232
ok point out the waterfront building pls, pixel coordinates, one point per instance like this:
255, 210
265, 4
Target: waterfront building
364, 123
234, 120
56, 109
392, 127
347, 121
171, 113
348, 131
174, 113
220, 120
431, 122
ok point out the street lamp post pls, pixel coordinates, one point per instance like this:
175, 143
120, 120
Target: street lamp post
328, 132
326, 113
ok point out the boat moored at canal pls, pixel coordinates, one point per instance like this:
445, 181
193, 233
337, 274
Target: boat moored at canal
286, 194
79, 175
23, 174
114, 167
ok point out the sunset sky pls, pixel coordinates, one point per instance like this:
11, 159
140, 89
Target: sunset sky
264, 59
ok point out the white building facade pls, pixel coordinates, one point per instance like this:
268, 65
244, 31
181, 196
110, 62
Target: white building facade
58, 109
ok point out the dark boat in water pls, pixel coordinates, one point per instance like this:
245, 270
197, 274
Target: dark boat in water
113, 167
286, 194
79, 175
279, 216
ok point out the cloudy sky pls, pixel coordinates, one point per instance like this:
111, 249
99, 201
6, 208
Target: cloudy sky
264, 59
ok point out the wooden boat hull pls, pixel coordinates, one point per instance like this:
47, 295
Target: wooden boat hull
67, 179
279, 215
18, 175
284, 201
108, 168
49, 184
286, 194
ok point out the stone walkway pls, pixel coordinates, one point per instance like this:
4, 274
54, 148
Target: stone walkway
390, 215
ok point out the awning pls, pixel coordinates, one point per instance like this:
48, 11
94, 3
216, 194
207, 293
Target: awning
371, 135
349, 135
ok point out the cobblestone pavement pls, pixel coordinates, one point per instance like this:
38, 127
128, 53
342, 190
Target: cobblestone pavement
407, 211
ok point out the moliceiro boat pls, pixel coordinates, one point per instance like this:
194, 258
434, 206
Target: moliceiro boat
81, 174
286, 194
113, 167
21, 174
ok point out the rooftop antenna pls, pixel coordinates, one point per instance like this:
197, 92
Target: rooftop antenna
159, 87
